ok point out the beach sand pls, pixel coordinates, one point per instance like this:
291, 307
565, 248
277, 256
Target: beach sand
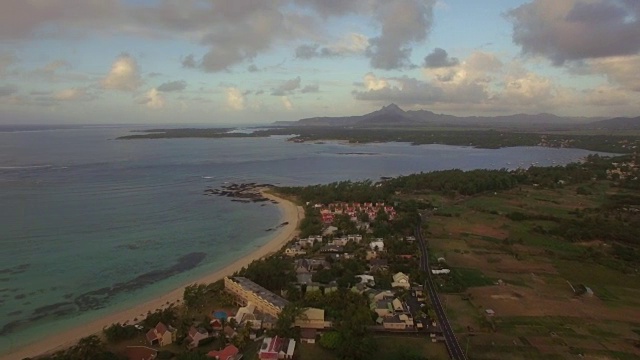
292, 214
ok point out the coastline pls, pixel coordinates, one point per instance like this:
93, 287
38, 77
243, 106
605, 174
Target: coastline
292, 214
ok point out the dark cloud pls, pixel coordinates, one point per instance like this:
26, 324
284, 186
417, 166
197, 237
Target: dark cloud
403, 23
173, 86
231, 31
310, 89
252, 68
581, 30
7, 90
335, 7
439, 58
286, 87
189, 62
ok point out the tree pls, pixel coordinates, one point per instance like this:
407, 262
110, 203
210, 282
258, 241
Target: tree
192, 355
330, 340
195, 296
286, 319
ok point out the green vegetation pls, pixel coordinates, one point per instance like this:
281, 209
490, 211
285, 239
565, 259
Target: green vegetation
489, 139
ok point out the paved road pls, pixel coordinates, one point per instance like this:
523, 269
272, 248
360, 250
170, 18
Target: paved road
455, 351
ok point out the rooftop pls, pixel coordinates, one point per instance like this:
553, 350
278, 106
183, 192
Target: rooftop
260, 291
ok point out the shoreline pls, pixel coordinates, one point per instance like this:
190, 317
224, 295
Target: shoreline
292, 214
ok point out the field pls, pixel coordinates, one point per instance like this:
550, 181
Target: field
528, 278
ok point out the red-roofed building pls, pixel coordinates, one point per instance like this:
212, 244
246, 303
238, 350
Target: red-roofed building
161, 335
228, 353
277, 348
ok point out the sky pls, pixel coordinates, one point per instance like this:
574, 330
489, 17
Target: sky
259, 61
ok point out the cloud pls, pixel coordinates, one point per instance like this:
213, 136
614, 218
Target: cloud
575, 30
352, 43
173, 86
153, 99
403, 23
252, 68
235, 98
286, 87
310, 89
73, 94
189, 62
8, 90
124, 75
439, 58
481, 82
620, 70
371, 82
6, 60
23, 19
288, 105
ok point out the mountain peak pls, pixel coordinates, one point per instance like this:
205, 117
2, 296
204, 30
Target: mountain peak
392, 107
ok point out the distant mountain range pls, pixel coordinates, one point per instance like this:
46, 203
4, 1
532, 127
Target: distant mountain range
393, 116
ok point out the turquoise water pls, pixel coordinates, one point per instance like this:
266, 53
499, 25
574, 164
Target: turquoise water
91, 225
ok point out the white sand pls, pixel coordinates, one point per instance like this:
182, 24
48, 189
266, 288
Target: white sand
292, 214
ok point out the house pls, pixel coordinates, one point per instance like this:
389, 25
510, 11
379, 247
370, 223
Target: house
377, 245
294, 250
383, 307
140, 353
308, 336
398, 322
366, 279
228, 353
276, 348
401, 280
341, 241
410, 239
355, 238
194, 336
161, 335
378, 264
216, 324
245, 290
489, 312
312, 318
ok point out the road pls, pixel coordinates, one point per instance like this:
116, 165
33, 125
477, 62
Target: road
455, 351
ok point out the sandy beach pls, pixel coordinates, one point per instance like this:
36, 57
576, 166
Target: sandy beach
292, 214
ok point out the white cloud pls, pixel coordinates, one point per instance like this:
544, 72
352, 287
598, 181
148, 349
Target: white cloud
235, 98
371, 82
620, 70
124, 75
153, 99
288, 105
73, 94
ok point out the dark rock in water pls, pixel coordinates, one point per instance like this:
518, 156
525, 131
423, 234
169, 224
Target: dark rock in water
98, 298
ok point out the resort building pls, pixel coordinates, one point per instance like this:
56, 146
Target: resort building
247, 291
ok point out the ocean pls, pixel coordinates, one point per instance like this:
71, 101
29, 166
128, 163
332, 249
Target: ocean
90, 225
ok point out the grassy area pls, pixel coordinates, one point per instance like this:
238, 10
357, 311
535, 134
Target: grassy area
389, 347
471, 277
315, 352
